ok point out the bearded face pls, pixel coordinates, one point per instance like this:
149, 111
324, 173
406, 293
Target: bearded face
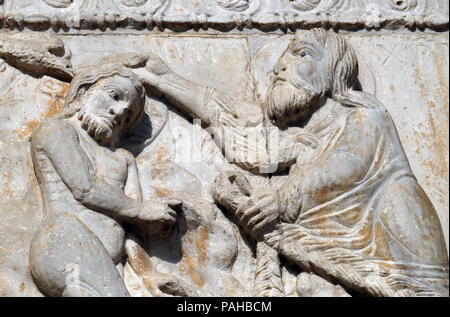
99, 128
300, 82
109, 109
287, 103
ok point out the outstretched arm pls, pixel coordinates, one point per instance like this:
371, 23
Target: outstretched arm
182, 93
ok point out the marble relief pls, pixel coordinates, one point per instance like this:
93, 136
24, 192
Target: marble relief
199, 161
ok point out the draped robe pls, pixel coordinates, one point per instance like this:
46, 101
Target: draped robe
353, 212
351, 209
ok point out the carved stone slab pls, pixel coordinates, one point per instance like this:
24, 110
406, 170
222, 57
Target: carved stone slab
224, 14
224, 148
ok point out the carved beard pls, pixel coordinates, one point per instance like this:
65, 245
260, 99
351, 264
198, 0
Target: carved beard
286, 103
100, 129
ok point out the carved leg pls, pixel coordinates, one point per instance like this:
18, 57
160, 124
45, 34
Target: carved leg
67, 259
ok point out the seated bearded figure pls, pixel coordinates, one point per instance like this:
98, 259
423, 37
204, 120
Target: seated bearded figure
90, 186
350, 209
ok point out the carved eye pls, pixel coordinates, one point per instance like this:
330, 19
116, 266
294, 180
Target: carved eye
115, 95
301, 52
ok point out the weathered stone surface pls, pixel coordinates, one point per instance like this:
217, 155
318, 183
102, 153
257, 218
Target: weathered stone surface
225, 14
176, 198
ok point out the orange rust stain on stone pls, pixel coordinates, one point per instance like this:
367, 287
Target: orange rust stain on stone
419, 81
140, 262
56, 104
202, 245
54, 107
161, 192
161, 155
386, 266
439, 138
26, 130
22, 287
189, 265
61, 93
6, 186
4, 249
50, 227
391, 86
382, 249
327, 193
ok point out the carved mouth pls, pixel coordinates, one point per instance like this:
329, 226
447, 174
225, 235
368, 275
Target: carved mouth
279, 81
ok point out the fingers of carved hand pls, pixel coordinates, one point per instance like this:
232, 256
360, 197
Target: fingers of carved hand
258, 217
161, 210
168, 216
251, 215
156, 65
241, 211
243, 184
259, 222
231, 188
135, 60
264, 222
147, 78
223, 189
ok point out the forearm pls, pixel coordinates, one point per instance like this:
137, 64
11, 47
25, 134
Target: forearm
109, 200
184, 94
289, 197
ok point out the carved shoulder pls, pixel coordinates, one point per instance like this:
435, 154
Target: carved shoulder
53, 134
364, 119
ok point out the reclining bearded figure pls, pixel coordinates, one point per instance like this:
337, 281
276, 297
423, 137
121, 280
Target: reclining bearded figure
90, 186
350, 209
96, 219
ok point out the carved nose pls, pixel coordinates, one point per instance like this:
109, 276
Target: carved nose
111, 111
279, 67
118, 111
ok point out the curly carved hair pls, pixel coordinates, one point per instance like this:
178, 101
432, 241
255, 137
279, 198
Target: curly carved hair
88, 77
341, 61
342, 65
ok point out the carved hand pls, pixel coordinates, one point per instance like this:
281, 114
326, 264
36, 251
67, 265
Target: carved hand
231, 189
158, 213
154, 70
156, 65
256, 212
259, 215
164, 285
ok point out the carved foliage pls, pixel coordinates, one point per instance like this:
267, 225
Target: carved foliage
59, 3
228, 13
